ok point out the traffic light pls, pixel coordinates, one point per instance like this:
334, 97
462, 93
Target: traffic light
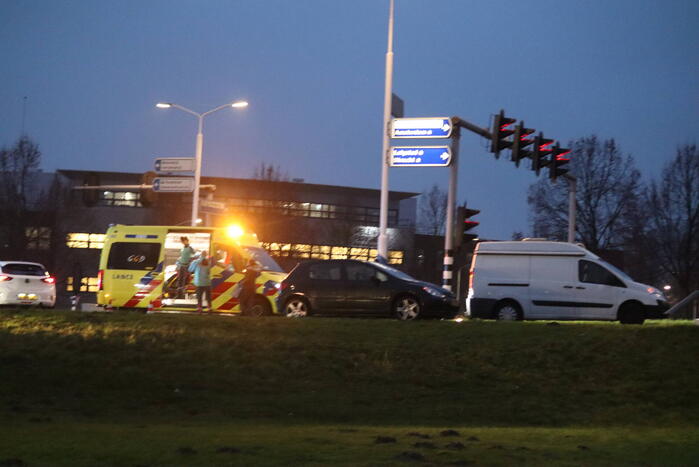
464, 224
500, 133
541, 152
558, 160
520, 141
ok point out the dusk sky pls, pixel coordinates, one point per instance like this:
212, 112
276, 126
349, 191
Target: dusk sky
313, 72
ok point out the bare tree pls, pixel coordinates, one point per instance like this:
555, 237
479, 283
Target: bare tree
270, 173
607, 197
18, 167
433, 211
672, 236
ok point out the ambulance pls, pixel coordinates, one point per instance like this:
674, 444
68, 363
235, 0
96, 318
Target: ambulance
138, 269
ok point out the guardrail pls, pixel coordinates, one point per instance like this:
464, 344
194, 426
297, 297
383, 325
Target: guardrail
691, 299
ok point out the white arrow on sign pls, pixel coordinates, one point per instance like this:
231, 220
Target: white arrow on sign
444, 156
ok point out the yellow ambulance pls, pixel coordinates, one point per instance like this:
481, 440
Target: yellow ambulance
138, 268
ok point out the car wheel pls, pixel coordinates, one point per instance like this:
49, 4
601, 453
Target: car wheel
260, 307
631, 313
406, 308
297, 307
507, 311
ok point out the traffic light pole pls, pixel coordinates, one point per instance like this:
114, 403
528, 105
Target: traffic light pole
458, 123
448, 273
572, 213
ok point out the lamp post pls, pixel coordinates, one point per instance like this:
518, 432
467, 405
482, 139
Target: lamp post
200, 144
382, 242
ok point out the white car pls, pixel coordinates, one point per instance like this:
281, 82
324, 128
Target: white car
23, 283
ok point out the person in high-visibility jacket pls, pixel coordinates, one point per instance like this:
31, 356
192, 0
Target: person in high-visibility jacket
201, 267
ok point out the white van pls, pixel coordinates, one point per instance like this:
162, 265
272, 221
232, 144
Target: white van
554, 280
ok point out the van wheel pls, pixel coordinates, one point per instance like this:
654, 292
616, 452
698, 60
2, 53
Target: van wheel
260, 307
631, 313
508, 311
406, 308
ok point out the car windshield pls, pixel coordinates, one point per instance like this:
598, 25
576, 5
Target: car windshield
261, 256
394, 272
617, 271
23, 269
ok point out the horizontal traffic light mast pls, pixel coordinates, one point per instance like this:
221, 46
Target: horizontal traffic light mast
504, 135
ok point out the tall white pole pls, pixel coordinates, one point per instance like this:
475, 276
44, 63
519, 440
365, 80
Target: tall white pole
447, 273
197, 172
388, 92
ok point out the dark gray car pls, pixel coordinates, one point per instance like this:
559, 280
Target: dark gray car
351, 287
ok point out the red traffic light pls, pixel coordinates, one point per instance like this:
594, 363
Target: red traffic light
558, 160
519, 142
500, 132
464, 224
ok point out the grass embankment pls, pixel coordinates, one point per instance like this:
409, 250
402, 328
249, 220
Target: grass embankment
128, 389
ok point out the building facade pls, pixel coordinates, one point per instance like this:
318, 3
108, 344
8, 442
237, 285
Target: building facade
293, 220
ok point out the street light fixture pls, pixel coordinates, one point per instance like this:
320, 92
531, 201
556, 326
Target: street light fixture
200, 144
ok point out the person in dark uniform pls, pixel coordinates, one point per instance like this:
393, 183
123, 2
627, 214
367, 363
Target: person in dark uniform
247, 293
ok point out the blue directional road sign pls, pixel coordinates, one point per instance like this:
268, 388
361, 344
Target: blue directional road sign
438, 127
420, 156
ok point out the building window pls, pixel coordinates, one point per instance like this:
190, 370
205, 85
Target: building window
120, 198
359, 214
395, 257
298, 250
38, 238
85, 240
87, 284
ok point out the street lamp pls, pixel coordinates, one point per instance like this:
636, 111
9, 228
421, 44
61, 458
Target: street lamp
200, 143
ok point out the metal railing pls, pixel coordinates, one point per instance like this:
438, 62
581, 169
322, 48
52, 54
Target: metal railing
690, 300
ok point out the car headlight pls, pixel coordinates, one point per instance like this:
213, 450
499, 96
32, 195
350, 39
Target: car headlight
434, 292
656, 293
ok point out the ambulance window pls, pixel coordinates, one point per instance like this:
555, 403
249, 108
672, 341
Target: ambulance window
227, 255
135, 256
236, 258
221, 255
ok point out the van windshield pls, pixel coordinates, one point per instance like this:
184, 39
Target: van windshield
617, 271
261, 256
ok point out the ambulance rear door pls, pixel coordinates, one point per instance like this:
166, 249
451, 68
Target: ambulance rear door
131, 271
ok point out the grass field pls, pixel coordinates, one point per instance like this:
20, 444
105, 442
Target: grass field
134, 389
